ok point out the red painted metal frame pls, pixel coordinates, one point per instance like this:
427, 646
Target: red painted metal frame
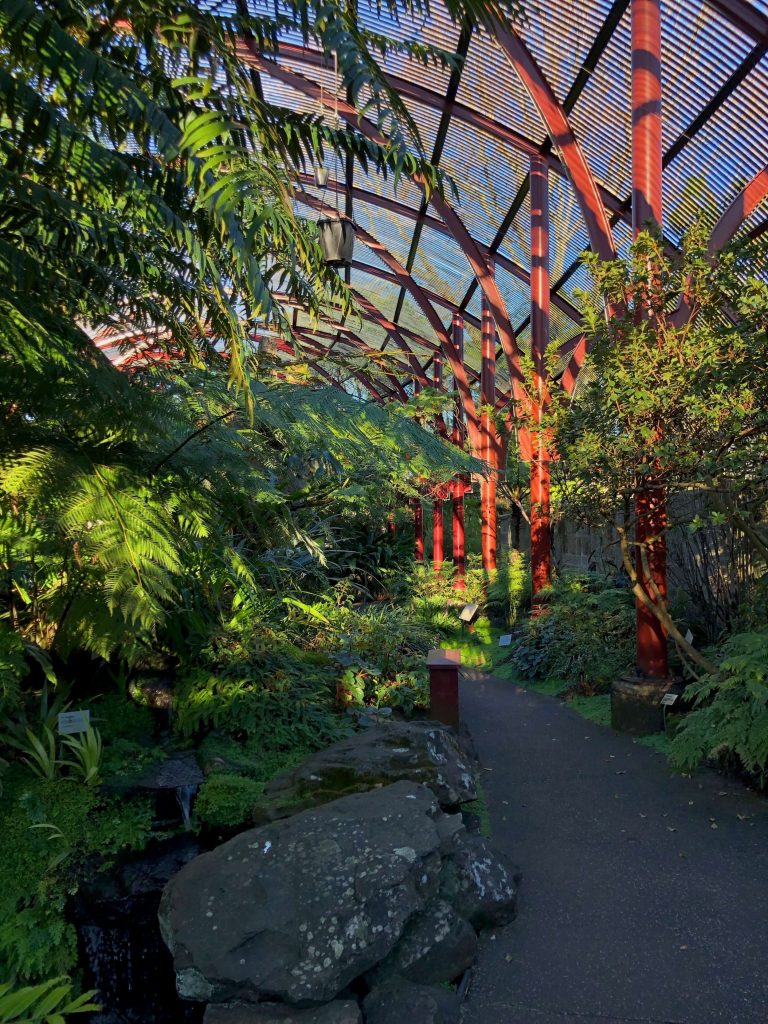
418, 529
650, 500
457, 502
556, 121
489, 453
646, 114
248, 52
541, 544
438, 535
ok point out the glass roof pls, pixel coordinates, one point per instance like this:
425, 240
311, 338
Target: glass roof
715, 137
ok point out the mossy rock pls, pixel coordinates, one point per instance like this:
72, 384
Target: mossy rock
422, 752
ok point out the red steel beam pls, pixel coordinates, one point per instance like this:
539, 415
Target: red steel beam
418, 530
249, 54
556, 121
406, 280
650, 499
541, 544
438, 535
457, 498
489, 453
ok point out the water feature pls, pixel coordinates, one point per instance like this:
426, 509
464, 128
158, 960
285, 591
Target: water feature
123, 953
185, 796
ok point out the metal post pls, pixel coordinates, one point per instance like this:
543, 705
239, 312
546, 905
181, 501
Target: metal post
650, 503
488, 439
459, 438
541, 543
437, 534
459, 557
418, 530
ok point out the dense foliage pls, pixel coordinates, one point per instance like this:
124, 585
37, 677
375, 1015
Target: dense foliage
210, 524
582, 637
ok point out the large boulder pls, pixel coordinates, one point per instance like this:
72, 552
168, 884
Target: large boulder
478, 883
340, 1011
437, 946
296, 910
424, 752
396, 1001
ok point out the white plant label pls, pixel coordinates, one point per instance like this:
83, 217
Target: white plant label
71, 722
505, 640
468, 612
669, 698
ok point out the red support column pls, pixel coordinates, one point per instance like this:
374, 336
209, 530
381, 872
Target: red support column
418, 530
458, 437
437, 535
488, 439
650, 503
459, 558
541, 543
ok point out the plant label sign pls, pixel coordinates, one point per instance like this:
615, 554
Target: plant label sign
468, 612
689, 637
505, 640
669, 698
71, 722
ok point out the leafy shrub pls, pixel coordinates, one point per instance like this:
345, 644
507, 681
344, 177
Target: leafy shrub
13, 668
291, 714
405, 691
226, 801
730, 720
47, 1003
50, 831
584, 634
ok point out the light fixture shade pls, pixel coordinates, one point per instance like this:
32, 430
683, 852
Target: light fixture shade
337, 238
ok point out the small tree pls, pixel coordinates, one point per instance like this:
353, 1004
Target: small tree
673, 401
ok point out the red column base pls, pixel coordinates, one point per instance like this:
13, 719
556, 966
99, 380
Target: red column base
444, 686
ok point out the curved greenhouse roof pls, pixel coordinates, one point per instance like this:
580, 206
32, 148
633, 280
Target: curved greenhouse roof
481, 125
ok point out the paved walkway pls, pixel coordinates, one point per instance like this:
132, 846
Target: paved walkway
633, 905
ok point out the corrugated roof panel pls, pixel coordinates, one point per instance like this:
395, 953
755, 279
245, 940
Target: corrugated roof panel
437, 29
371, 181
723, 156
441, 265
414, 319
699, 51
394, 232
488, 174
490, 86
605, 138
552, 25
517, 243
